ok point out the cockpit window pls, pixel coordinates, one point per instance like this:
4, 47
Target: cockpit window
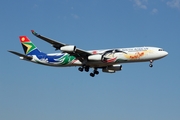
160, 49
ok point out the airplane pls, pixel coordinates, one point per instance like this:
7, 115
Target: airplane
109, 60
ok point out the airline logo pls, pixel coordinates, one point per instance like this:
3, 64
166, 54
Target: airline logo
28, 46
24, 39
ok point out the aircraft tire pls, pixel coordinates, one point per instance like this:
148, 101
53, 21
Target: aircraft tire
87, 69
80, 69
96, 72
92, 74
150, 65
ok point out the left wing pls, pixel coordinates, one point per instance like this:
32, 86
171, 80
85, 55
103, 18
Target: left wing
21, 55
58, 45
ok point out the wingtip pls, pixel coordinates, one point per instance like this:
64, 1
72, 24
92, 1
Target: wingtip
13, 52
33, 32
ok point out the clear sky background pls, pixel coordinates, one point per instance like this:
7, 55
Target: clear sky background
34, 92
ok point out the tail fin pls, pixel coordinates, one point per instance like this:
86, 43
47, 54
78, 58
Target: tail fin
28, 46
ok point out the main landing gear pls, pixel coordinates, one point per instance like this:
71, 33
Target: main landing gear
80, 69
95, 72
151, 65
86, 68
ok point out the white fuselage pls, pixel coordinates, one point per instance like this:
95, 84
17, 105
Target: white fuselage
101, 58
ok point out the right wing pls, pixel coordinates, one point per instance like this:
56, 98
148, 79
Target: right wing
54, 43
79, 52
21, 55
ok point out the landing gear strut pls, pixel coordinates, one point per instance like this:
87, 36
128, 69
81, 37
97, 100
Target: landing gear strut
151, 65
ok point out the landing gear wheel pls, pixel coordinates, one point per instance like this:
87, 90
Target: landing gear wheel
80, 69
87, 69
92, 74
96, 72
150, 65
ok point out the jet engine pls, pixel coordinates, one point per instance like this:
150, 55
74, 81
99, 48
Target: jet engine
112, 69
95, 57
116, 67
68, 48
108, 71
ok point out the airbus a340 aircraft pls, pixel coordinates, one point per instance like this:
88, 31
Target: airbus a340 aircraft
109, 60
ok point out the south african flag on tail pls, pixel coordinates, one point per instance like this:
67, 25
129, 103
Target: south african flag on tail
28, 46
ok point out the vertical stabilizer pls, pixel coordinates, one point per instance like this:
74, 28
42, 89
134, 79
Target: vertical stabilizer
28, 46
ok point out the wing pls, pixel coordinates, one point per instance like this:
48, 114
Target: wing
21, 55
79, 52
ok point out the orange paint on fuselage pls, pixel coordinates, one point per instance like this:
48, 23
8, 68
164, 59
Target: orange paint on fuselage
136, 55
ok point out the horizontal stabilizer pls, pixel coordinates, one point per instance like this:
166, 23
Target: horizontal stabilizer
21, 55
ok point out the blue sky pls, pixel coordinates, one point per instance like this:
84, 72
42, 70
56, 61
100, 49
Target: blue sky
34, 92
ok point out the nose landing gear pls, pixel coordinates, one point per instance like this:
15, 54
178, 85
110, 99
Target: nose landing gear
151, 65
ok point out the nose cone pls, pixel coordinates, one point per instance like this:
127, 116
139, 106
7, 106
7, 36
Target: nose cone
165, 53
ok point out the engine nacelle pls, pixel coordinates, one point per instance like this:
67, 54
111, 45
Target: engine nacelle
116, 67
68, 48
108, 71
95, 57
112, 69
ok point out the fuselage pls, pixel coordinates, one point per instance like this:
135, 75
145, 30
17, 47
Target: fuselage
108, 57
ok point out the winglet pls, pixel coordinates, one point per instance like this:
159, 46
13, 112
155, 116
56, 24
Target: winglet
51, 41
34, 33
